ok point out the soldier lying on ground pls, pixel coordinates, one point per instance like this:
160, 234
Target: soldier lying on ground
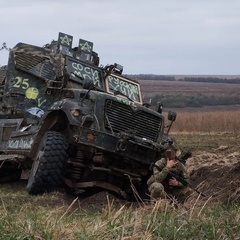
162, 185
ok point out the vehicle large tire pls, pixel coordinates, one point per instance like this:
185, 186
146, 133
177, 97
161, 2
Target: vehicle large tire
48, 163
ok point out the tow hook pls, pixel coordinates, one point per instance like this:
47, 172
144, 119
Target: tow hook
121, 146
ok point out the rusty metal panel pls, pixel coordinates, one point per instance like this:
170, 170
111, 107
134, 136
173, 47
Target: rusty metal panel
37, 65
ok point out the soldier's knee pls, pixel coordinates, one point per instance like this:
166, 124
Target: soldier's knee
157, 190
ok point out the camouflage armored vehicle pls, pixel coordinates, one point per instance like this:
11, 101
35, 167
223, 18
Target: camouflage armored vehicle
66, 121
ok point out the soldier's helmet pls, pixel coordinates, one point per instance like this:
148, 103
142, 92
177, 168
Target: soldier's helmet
172, 151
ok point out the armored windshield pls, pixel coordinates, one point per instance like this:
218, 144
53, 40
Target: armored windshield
120, 85
79, 70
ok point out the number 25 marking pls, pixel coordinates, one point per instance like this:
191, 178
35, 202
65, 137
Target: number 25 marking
23, 83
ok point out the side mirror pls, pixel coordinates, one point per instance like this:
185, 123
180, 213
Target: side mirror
172, 115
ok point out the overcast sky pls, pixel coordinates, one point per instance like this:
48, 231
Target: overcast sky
145, 36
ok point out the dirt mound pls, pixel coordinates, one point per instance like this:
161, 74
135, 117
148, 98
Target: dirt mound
217, 175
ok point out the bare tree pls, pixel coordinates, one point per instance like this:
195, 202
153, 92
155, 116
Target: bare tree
4, 46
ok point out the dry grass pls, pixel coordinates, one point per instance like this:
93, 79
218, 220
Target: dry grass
216, 121
152, 87
158, 220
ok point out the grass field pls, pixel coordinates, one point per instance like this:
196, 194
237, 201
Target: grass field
58, 215
210, 121
34, 219
51, 216
151, 87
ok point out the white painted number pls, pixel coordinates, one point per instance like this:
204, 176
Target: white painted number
21, 83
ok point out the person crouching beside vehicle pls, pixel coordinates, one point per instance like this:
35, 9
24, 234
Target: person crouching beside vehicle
162, 185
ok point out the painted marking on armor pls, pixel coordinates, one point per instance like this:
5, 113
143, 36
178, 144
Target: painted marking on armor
127, 88
86, 46
32, 93
21, 83
41, 101
36, 111
20, 144
66, 40
86, 72
127, 102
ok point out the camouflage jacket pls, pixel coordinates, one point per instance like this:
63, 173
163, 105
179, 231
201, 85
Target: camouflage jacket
162, 176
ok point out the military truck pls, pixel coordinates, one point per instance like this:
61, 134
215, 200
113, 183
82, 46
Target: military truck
66, 121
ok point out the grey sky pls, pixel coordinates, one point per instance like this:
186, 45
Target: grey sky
145, 36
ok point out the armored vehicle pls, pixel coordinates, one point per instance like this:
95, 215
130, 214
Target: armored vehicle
66, 121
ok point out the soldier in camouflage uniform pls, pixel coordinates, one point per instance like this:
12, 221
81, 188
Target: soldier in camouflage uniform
161, 185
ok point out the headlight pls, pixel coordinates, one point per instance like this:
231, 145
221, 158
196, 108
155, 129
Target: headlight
75, 112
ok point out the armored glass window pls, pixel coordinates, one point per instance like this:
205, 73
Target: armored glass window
119, 85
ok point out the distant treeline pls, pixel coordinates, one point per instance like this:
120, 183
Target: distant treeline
150, 77
195, 100
186, 79
211, 79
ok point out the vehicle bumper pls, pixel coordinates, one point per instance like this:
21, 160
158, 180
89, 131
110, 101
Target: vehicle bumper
133, 148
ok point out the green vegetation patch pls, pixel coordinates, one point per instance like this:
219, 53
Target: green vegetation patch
194, 100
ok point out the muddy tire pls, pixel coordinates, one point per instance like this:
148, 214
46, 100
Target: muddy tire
48, 164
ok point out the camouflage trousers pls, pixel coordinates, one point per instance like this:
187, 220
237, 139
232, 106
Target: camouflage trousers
157, 191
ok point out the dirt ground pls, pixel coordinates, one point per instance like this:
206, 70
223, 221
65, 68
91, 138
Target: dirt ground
217, 174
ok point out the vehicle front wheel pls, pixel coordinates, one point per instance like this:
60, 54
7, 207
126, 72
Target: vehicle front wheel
48, 163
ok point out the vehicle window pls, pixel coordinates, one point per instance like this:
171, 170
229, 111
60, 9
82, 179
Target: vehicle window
119, 85
79, 71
